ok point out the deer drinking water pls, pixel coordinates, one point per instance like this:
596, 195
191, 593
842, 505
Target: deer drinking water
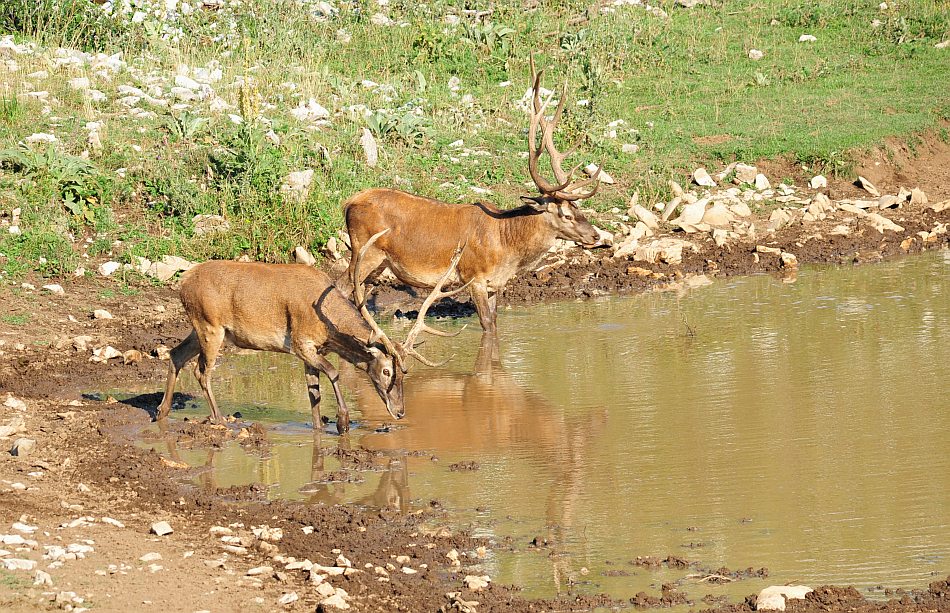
293, 308
499, 243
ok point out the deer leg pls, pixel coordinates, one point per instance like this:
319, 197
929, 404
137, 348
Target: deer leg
371, 261
319, 363
211, 341
178, 357
483, 305
313, 388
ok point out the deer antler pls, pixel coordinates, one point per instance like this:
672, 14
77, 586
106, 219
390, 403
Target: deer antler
408, 345
566, 188
359, 293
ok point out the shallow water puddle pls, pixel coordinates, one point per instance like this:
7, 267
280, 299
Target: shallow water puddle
801, 427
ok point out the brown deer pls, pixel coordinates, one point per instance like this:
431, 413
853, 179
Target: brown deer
499, 243
293, 308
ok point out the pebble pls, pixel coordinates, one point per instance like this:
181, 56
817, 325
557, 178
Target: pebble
55, 288
22, 447
288, 598
101, 314
12, 402
150, 557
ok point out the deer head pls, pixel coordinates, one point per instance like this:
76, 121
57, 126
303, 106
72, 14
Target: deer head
390, 360
558, 200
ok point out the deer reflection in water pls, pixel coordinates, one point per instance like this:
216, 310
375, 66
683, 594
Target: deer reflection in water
489, 413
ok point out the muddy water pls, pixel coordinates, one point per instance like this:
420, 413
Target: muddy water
801, 427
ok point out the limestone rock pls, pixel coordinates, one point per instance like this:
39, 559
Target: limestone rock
755, 54
669, 250
101, 314
296, 185
789, 260
55, 288
762, 182
741, 209
692, 213
882, 223
887, 201
818, 182
107, 268
746, 173
104, 354
591, 169
209, 224
477, 582
718, 215
917, 196
22, 447
868, 187
16, 426
302, 256
644, 215
807, 38
939, 207
161, 528
773, 598
370, 149
701, 177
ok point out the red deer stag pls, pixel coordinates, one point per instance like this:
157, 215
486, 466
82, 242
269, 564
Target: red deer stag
292, 308
499, 243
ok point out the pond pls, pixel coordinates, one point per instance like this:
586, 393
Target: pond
803, 427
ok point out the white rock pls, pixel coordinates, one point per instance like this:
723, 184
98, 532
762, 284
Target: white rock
42, 578
12, 402
335, 601
150, 557
107, 268
762, 182
311, 112
701, 177
297, 184
818, 182
80, 83
370, 149
12, 564
55, 288
746, 173
259, 570
669, 250
773, 598
161, 528
24, 528
917, 196
187, 82
288, 598
944, 45
113, 522
692, 213
868, 187
882, 223
209, 224
718, 215
806, 38
40, 137
16, 425
645, 215
104, 354
629, 148
22, 447
755, 54
603, 177
476, 582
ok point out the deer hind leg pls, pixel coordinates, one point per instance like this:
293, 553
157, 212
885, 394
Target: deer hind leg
320, 364
313, 389
179, 356
211, 340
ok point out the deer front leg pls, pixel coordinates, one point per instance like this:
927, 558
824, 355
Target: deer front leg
319, 363
484, 305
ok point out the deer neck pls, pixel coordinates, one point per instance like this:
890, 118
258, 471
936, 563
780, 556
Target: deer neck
528, 234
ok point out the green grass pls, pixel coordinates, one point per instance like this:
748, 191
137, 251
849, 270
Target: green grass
684, 88
15, 320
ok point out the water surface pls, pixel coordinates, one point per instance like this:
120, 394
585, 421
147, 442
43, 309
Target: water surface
802, 427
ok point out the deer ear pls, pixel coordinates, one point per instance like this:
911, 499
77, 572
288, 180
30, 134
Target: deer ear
538, 203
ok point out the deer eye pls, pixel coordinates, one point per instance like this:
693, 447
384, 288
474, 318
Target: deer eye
386, 372
569, 217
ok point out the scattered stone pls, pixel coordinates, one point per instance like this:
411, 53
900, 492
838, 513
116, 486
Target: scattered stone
669, 250
701, 177
16, 426
644, 215
113, 522
343, 561
867, 186
18, 564
296, 185
629, 148
882, 223
773, 598
476, 582
22, 447
917, 196
209, 224
807, 38
671, 207
266, 533
939, 207
602, 176
104, 354
818, 182
741, 209
260, 570
370, 149
746, 173
55, 288
887, 201
42, 578
755, 54
101, 314
150, 557
762, 182
288, 598
789, 260
161, 528
718, 215
24, 528
107, 268
692, 213
409, 571
768, 250
336, 601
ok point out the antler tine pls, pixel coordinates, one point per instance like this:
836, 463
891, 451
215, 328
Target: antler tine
534, 151
573, 195
408, 345
359, 294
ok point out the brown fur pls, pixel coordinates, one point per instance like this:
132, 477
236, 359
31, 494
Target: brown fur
424, 234
289, 308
